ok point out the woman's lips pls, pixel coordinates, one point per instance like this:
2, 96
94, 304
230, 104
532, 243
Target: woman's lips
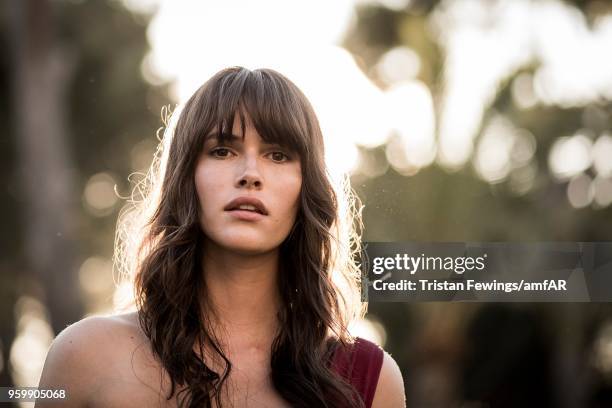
246, 215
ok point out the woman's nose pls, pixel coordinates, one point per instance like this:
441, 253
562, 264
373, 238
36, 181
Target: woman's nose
249, 175
249, 181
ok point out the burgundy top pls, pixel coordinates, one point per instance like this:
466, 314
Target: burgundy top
360, 366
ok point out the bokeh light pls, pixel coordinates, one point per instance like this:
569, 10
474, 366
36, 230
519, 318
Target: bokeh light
34, 335
95, 275
399, 64
602, 155
570, 155
99, 195
603, 191
580, 191
371, 329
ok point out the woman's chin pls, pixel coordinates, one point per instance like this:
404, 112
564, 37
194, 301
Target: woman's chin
250, 250
248, 246
243, 240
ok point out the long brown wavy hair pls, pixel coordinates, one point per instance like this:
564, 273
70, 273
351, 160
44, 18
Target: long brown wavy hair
158, 247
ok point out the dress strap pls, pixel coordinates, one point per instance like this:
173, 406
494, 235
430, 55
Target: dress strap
360, 366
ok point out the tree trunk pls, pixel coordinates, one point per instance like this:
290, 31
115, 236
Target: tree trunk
41, 77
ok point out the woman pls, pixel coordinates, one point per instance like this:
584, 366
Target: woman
245, 281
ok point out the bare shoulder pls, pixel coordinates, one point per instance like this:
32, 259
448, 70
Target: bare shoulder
83, 355
390, 389
91, 330
93, 338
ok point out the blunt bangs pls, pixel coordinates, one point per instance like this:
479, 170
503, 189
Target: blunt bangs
277, 109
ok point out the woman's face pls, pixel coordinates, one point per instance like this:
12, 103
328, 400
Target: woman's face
249, 169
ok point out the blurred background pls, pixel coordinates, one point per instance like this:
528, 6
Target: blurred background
465, 120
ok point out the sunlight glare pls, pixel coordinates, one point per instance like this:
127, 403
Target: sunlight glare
411, 116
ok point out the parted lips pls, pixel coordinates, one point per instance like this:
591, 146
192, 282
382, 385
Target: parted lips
247, 203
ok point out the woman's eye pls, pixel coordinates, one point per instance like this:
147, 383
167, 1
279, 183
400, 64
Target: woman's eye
220, 152
279, 156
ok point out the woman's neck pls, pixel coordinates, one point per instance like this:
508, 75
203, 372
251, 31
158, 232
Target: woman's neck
242, 292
